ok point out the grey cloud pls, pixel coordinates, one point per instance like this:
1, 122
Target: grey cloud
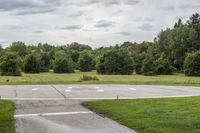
33, 11
72, 27
189, 6
104, 24
131, 2
146, 27
38, 31
11, 27
76, 14
111, 2
124, 33
21, 7
168, 8
140, 19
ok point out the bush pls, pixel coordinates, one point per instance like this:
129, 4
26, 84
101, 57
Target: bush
62, 64
89, 78
44, 62
163, 66
148, 67
10, 65
115, 62
32, 64
192, 64
138, 63
85, 61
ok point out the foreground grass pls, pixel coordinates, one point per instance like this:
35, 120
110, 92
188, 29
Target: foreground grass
173, 115
6, 117
74, 78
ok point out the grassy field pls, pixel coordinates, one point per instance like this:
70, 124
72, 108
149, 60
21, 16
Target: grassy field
174, 115
6, 117
74, 78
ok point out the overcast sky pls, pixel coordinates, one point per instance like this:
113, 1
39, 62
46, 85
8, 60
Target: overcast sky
94, 22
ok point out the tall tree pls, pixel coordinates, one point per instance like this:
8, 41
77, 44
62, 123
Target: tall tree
85, 61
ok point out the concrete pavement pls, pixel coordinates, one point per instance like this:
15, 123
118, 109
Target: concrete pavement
57, 109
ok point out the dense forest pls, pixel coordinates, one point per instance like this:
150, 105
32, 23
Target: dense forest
175, 49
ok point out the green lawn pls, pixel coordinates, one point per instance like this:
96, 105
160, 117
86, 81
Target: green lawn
52, 78
6, 117
172, 115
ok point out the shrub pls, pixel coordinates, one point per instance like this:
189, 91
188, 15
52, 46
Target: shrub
138, 63
32, 63
62, 64
115, 62
163, 66
148, 67
10, 65
192, 64
88, 78
44, 62
85, 61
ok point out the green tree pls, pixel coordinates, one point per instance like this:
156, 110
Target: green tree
78, 47
115, 62
148, 64
62, 64
163, 66
32, 63
19, 47
192, 64
44, 62
10, 64
138, 60
85, 61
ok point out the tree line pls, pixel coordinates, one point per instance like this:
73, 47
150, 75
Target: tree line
175, 49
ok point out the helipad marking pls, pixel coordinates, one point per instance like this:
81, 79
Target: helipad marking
35, 89
133, 89
100, 90
53, 114
67, 90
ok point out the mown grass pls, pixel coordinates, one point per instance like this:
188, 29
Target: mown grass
74, 78
172, 115
7, 117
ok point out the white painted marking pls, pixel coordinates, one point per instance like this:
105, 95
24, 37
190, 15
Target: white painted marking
133, 89
67, 90
113, 98
35, 89
96, 87
53, 114
100, 90
50, 99
69, 87
34, 99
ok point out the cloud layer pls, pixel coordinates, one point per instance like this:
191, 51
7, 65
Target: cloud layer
94, 22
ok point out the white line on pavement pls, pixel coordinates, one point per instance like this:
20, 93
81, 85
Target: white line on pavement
69, 87
96, 87
100, 90
50, 99
35, 89
67, 90
53, 114
133, 89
